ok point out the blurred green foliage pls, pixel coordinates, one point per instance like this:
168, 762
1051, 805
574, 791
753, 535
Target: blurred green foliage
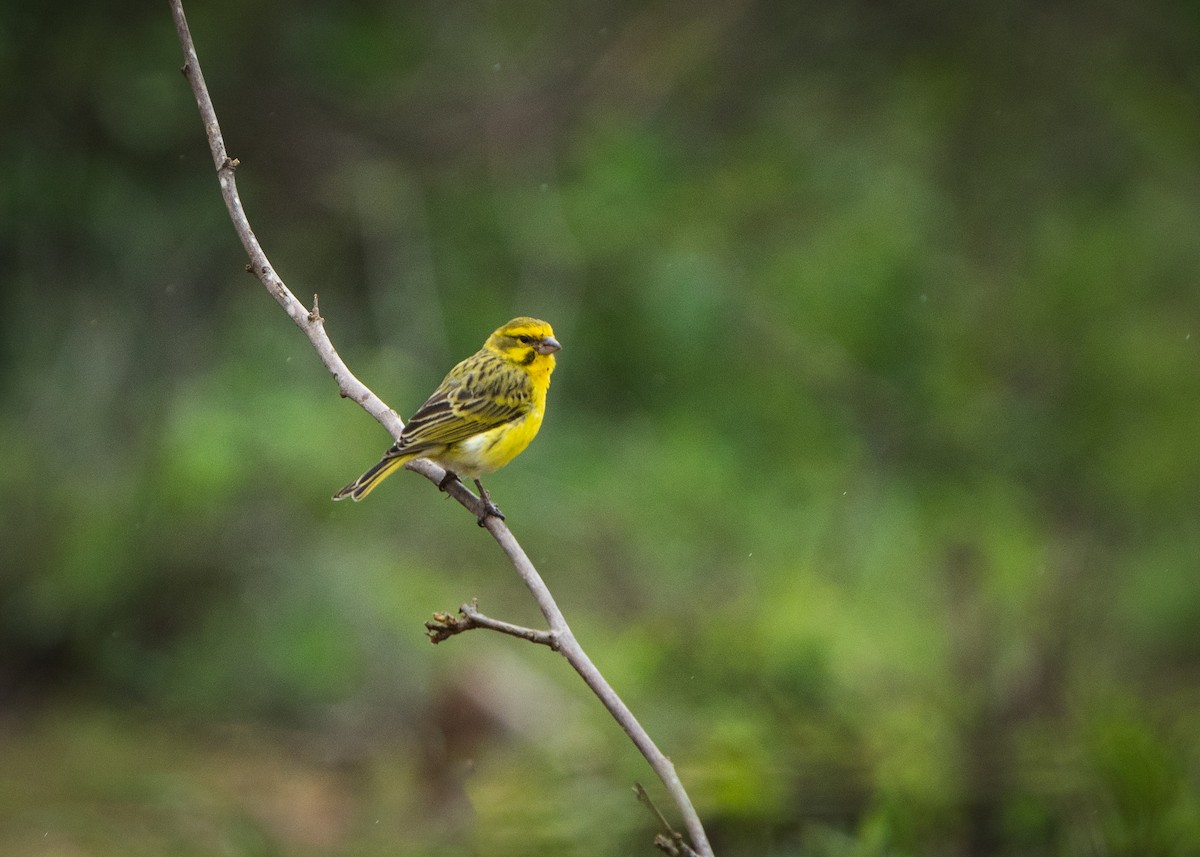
869, 478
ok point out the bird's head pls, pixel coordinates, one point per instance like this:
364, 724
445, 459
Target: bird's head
528, 342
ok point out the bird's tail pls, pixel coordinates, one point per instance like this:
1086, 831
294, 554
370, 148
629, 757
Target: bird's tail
365, 484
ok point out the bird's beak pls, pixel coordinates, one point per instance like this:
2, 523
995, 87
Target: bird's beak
547, 346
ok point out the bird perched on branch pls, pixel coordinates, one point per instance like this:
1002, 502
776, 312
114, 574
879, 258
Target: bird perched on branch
483, 414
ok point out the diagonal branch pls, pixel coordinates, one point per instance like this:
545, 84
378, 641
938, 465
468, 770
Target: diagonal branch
559, 636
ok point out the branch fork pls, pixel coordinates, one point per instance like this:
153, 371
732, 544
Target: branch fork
445, 625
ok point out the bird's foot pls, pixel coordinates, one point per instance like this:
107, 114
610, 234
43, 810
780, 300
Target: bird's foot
450, 476
490, 509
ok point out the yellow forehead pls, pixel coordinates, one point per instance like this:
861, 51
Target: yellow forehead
526, 326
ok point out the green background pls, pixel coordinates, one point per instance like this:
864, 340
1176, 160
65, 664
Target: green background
869, 478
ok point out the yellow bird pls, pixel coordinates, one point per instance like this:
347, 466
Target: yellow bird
483, 414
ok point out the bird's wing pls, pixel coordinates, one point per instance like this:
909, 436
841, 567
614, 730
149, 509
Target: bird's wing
481, 393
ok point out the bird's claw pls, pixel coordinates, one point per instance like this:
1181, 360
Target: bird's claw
490, 509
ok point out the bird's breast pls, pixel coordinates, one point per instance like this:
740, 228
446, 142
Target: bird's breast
490, 450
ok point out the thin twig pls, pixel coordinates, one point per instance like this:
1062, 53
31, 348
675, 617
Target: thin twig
311, 323
445, 625
671, 842
673, 846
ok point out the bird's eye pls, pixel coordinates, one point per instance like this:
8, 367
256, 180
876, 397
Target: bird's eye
528, 340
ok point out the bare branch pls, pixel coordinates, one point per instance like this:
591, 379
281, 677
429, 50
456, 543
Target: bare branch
311, 323
559, 636
444, 626
670, 842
